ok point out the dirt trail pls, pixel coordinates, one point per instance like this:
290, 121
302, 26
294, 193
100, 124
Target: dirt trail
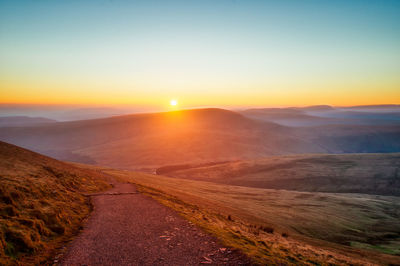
128, 228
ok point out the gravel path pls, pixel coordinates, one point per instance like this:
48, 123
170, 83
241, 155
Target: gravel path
128, 228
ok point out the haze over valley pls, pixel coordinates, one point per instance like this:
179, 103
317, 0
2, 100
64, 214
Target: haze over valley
148, 141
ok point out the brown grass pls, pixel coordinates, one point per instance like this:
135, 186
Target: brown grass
41, 204
306, 227
342, 173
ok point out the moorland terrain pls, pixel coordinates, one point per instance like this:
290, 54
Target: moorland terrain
283, 226
308, 185
42, 203
368, 173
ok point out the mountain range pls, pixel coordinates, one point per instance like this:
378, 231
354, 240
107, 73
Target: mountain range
148, 141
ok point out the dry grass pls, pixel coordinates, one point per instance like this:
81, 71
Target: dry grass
342, 173
277, 226
41, 204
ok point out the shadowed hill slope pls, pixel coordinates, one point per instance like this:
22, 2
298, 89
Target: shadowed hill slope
353, 138
41, 203
344, 173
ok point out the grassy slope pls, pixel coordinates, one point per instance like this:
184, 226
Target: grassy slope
41, 203
315, 222
352, 173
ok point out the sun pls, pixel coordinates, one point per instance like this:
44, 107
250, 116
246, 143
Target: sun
173, 102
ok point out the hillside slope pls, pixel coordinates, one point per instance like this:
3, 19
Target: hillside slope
41, 203
280, 227
340, 173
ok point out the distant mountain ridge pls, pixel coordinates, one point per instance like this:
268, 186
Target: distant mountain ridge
151, 140
21, 121
327, 115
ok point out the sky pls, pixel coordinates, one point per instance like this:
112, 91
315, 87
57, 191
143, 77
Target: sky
201, 53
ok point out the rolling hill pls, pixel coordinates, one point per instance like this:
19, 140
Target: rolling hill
41, 203
344, 173
147, 141
151, 140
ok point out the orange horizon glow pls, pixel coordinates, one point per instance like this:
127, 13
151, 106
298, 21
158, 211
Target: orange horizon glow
205, 53
333, 98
